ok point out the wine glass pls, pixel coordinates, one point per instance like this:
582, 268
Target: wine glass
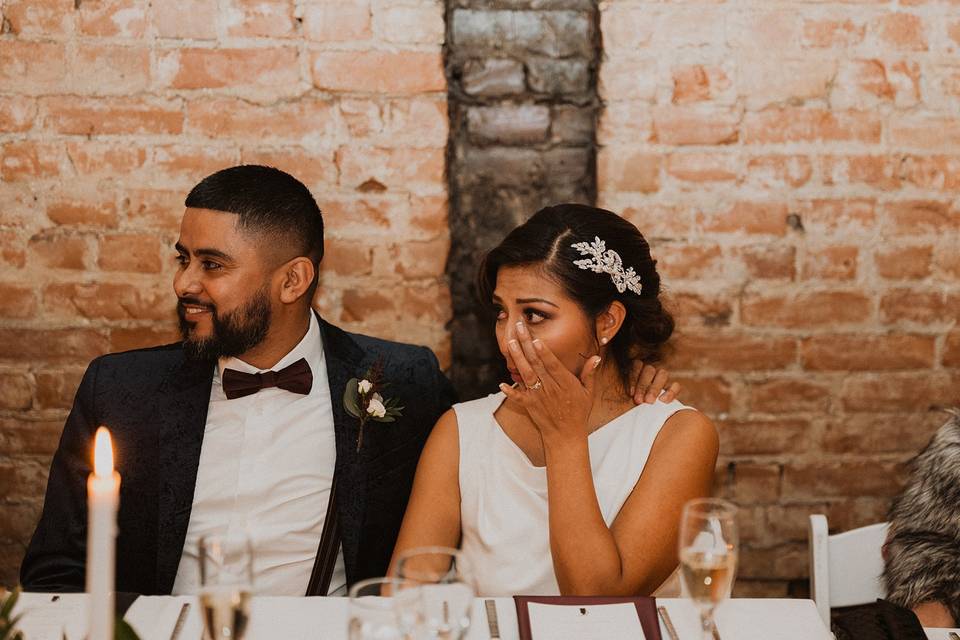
373, 609
442, 601
226, 581
708, 555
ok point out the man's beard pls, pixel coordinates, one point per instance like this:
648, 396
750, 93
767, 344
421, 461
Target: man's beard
233, 334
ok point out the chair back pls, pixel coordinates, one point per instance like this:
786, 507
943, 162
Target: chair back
846, 568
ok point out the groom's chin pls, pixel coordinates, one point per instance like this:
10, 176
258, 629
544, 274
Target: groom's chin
203, 350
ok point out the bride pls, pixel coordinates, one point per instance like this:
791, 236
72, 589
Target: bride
559, 484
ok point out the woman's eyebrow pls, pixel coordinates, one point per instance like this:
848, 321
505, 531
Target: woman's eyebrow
529, 300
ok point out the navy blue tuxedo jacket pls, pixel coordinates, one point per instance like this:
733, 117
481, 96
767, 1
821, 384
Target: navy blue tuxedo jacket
155, 403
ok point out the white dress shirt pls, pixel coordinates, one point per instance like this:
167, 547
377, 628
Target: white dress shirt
266, 468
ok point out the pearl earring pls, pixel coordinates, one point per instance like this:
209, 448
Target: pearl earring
604, 340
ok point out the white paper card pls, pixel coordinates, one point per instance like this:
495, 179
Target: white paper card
589, 622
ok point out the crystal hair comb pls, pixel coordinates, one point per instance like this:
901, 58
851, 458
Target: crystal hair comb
603, 260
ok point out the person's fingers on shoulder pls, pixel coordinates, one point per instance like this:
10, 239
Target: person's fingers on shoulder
656, 386
643, 379
671, 393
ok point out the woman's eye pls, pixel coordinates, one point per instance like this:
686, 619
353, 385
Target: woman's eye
501, 314
534, 317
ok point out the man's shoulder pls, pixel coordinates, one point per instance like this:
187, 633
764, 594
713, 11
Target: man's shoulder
390, 348
165, 353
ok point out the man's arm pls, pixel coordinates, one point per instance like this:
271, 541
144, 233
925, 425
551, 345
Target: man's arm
56, 557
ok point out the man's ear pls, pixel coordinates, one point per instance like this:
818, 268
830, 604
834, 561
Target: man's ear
609, 321
296, 277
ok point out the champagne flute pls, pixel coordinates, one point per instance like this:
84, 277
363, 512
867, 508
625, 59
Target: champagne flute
374, 608
708, 555
444, 592
226, 580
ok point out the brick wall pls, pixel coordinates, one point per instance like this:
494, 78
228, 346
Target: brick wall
523, 103
797, 168
110, 110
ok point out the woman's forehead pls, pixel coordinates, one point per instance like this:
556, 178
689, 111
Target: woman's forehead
523, 281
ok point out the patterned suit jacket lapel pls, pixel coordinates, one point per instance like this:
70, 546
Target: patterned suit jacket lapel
345, 360
184, 397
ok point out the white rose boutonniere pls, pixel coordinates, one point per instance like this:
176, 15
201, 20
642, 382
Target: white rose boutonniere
362, 400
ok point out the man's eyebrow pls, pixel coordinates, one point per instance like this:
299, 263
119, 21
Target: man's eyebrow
529, 300
205, 252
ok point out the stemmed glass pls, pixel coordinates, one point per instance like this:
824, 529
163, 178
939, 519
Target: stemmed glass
226, 580
709, 544
375, 606
443, 603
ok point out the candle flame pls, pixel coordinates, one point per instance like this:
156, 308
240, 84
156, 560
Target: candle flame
103, 454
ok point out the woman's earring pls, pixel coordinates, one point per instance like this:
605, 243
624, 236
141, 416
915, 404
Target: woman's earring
604, 340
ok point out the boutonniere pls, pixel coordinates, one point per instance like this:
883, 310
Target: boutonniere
362, 400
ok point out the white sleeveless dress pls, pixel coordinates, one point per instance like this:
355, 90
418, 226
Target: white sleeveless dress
503, 497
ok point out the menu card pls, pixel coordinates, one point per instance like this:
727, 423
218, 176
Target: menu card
586, 618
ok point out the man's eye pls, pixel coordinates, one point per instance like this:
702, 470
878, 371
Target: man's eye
209, 265
181, 259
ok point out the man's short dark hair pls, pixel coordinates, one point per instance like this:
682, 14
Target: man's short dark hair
269, 202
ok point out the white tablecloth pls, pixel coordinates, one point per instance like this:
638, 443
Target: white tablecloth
312, 618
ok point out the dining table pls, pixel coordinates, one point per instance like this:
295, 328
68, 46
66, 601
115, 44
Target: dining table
56, 616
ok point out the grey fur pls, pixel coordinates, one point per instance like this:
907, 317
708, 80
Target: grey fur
923, 545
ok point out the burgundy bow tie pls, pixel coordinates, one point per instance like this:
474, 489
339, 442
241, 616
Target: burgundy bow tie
296, 378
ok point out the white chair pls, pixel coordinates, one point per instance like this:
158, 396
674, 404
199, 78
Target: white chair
845, 568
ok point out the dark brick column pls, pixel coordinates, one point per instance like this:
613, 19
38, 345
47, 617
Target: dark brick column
523, 106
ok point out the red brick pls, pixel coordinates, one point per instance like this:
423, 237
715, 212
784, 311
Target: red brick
421, 121
110, 69
771, 80
698, 83
313, 169
57, 388
198, 23
29, 437
429, 303
760, 218
915, 217
769, 262
805, 309
716, 351
359, 304
789, 395
679, 261
779, 172
426, 259
361, 216
82, 213
28, 160
16, 113
913, 392
932, 172
951, 350
154, 208
656, 220
61, 345
869, 433
16, 391
12, 251
410, 25
91, 157
17, 300
20, 479
397, 167
124, 18
108, 301
837, 217
336, 23
183, 164
879, 172
802, 124
59, 251
757, 437
903, 31
378, 71
93, 116
832, 33
924, 307
946, 261
692, 125
830, 263
785, 561
128, 252
629, 170
868, 83
712, 395
347, 258
32, 67
953, 31
812, 480
900, 263
928, 132
703, 167
127, 338
709, 310
275, 68
261, 18
293, 121
756, 483
866, 352
38, 17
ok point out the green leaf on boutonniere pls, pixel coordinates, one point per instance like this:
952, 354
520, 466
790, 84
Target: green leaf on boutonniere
351, 398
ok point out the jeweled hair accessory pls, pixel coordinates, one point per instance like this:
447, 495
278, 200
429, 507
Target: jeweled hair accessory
603, 260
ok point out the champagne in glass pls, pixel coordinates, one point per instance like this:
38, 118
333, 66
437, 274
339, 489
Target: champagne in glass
445, 591
226, 579
708, 555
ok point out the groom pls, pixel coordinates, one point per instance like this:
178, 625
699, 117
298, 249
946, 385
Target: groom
242, 429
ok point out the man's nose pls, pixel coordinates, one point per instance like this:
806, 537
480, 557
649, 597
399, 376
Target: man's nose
187, 281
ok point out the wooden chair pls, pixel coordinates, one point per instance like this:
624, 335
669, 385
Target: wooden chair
845, 568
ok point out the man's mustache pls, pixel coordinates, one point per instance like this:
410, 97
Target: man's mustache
194, 302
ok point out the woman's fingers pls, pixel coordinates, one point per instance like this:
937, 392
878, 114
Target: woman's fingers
532, 356
646, 376
527, 374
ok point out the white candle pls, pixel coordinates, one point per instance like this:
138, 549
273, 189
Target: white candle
103, 495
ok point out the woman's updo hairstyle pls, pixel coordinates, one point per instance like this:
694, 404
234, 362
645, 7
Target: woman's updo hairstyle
545, 241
